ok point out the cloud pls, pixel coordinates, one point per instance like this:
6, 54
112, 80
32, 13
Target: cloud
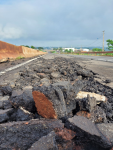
10, 32
55, 23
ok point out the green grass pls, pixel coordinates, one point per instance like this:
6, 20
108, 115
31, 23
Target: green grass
104, 54
53, 51
19, 57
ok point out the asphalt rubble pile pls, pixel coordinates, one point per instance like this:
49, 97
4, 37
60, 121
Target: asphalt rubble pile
55, 105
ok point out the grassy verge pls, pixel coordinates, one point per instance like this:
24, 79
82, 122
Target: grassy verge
104, 54
19, 57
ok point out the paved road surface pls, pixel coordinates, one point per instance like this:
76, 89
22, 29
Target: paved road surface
100, 58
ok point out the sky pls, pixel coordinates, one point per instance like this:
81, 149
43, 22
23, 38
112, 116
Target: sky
56, 23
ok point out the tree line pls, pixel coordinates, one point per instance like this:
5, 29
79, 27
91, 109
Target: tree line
109, 44
33, 47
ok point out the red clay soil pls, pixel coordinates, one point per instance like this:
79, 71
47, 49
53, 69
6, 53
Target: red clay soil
84, 114
66, 134
43, 105
10, 51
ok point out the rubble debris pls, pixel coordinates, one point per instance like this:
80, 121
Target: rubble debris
84, 73
60, 99
44, 106
27, 88
87, 104
4, 115
99, 98
84, 114
23, 134
21, 115
98, 115
4, 60
4, 102
107, 81
50, 91
23, 99
12, 84
66, 134
107, 130
85, 128
6, 90
45, 143
45, 81
55, 75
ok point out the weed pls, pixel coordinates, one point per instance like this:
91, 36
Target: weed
19, 57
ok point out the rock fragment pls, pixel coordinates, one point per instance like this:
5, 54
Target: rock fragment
66, 134
6, 90
99, 98
45, 81
84, 73
55, 75
21, 115
85, 128
44, 106
24, 134
107, 132
59, 97
4, 102
4, 115
23, 99
45, 143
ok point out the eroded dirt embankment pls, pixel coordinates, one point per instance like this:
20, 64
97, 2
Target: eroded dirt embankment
41, 107
9, 51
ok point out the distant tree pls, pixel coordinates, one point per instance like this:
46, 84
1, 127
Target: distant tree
97, 50
68, 50
110, 44
25, 46
40, 48
33, 47
60, 49
55, 48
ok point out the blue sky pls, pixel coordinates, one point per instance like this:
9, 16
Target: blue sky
56, 23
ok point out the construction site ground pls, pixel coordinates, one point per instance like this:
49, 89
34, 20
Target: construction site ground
103, 69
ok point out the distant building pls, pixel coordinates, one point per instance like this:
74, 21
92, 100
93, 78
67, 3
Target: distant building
86, 50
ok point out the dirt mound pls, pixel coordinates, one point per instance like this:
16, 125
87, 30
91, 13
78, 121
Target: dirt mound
11, 51
29, 52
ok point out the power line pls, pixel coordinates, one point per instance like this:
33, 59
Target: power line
95, 41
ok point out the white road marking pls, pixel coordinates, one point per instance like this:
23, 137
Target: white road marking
17, 66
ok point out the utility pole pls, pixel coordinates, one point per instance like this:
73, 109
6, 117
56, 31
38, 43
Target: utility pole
103, 42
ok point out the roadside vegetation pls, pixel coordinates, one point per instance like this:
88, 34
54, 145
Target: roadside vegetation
19, 57
53, 52
110, 44
110, 48
33, 47
96, 50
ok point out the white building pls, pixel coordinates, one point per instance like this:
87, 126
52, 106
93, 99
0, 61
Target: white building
86, 50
